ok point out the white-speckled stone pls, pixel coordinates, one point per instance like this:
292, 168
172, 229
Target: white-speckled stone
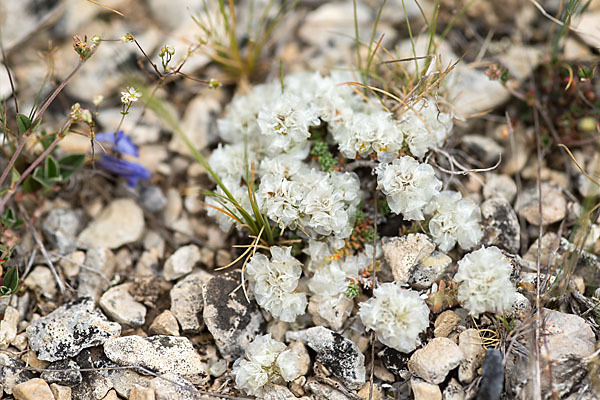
69, 329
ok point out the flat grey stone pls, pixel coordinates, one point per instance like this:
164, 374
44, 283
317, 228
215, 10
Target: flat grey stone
61, 228
120, 306
121, 222
187, 303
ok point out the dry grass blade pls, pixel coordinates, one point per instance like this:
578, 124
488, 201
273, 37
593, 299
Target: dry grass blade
106, 7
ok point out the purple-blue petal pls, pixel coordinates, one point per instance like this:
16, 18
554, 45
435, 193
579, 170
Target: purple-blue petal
127, 169
122, 144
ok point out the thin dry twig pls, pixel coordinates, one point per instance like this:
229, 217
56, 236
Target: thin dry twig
38, 241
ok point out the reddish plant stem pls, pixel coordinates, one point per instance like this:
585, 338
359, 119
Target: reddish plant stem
33, 165
41, 112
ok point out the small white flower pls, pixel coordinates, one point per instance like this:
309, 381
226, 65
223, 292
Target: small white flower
396, 315
288, 363
454, 220
98, 99
484, 277
274, 283
264, 350
130, 96
408, 186
250, 377
266, 361
425, 127
286, 122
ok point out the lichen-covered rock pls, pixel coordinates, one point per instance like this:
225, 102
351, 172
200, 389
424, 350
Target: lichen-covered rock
69, 329
340, 355
402, 253
428, 270
187, 303
233, 321
66, 372
160, 354
500, 225
395, 361
433, 362
12, 373
102, 375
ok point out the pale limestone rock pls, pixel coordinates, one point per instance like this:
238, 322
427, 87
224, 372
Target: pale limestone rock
470, 343
181, 262
8, 327
119, 223
402, 253
120, 306
433, 362
425, 390
34, 389
60, 392
165, 324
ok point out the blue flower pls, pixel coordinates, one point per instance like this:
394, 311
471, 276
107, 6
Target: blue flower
127, 169
122, 144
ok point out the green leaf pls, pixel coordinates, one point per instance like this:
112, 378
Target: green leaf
23, 123
70, 164
11, 279
38, 175
30, 185
14, 175
51, 168
47, 140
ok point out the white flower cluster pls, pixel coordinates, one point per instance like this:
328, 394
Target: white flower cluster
409, 185
484, 277
274, 283
396, 315
318, 202
266, 361
425, 127
453, 220
272, 128
333, 277
412, 190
